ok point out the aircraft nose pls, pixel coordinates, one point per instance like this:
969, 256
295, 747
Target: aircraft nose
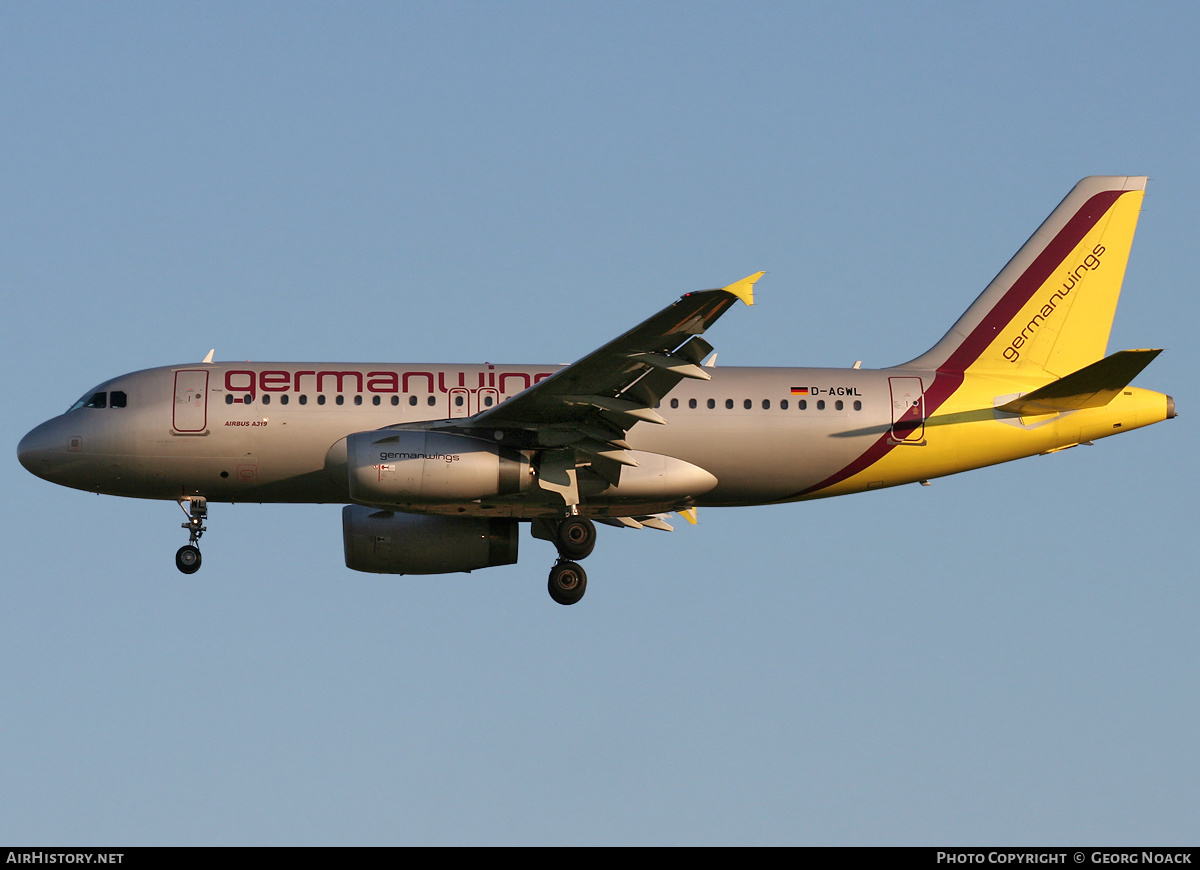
36, 449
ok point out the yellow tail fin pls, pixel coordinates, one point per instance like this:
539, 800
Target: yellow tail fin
1050, 310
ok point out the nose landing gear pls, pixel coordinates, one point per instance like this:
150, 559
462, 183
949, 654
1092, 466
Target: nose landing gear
187, 557
575, 538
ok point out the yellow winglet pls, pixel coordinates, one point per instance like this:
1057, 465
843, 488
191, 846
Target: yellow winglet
744, 289
689, 514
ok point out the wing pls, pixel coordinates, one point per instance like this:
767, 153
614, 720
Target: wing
579, 415
610, 390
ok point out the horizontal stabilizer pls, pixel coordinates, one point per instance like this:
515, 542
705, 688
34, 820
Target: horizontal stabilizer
1092, 386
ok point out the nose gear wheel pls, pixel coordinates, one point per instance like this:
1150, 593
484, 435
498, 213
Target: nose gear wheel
187, 557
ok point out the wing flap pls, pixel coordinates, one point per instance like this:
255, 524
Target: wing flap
672, 364
654, 521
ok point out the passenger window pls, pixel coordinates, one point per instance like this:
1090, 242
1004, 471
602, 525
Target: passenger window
458, 401
432, 401
766, 404
358, 400
247, 399
747, 404
283, 400
712, 403
412, 400
395, 400
321, 399
487, 401
266, 399
803, 405
303, 399
228, 398
857, 406
341, 400
783, 404
691, 403
674, 403
375, 400
839, 404
729, 404
820, 404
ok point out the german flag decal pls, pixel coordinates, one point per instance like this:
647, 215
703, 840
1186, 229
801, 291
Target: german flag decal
799, 391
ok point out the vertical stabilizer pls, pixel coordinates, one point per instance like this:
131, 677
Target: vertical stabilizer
1050, 310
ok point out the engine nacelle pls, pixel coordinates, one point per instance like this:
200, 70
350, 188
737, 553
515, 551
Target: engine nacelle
414, 466
384, 542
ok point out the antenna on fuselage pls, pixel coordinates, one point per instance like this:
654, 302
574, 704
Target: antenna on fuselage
208, 359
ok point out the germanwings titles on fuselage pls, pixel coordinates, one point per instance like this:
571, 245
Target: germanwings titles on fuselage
438, 465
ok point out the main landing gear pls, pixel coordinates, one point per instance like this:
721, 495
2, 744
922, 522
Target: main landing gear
575, 538
187, 557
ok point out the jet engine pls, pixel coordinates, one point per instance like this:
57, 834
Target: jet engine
392, 467
387, 542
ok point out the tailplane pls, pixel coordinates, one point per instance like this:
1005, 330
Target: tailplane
1092, 386
1050, 310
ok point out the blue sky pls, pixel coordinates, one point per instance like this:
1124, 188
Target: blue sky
1005, 656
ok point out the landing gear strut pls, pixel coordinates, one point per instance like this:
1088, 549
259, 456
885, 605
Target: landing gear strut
575, 538
187, 557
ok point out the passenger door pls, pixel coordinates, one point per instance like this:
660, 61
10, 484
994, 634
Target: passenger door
190, 411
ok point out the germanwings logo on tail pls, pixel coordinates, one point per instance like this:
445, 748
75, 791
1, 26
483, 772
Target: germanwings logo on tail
1090, 263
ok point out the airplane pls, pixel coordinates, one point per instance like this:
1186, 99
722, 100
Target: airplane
438, 465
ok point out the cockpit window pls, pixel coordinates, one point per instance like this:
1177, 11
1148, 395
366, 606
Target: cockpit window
92, 400
101, 400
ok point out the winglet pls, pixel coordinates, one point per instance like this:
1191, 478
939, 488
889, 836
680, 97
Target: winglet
744, 289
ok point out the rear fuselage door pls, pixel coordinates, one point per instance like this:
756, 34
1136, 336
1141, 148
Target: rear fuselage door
908, 410
190, 411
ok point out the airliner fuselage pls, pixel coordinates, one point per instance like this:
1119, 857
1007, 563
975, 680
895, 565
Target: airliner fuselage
264, 432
